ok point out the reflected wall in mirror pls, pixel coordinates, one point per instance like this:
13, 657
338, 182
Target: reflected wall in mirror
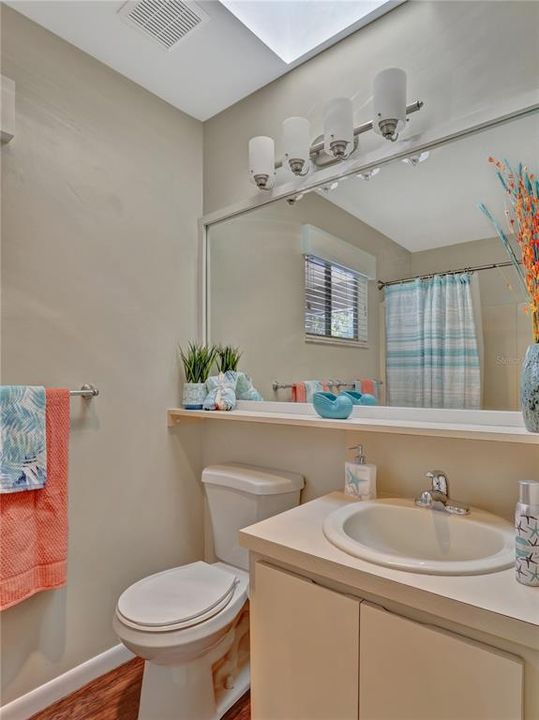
379, 285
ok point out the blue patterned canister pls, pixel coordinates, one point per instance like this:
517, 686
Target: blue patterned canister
527, 534
529, 388
194, 395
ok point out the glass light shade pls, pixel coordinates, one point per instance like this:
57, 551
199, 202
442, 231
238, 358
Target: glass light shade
389, 101
262, 160
297, 143
339, 127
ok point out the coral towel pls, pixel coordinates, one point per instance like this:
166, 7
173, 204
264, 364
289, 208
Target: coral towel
33, 524
299, 393
368, 386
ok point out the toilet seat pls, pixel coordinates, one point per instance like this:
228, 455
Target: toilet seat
177, 599
176, 646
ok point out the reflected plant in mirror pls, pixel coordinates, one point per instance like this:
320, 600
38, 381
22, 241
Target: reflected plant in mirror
522, 191
227, 357
391, 285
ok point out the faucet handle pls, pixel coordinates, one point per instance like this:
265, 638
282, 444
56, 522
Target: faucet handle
438, 480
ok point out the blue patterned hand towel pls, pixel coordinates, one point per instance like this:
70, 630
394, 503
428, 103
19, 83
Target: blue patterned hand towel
23, 442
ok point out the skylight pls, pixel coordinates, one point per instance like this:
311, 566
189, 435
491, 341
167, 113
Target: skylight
294, 28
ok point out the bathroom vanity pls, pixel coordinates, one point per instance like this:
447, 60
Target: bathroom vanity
336, 637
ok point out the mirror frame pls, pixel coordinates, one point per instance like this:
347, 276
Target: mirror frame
512, 109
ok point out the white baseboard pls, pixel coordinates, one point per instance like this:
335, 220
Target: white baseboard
36, 700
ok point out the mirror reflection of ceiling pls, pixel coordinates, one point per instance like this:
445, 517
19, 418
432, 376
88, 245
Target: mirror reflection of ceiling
425, 214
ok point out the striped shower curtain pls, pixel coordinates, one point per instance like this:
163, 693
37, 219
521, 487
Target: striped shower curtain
432, 357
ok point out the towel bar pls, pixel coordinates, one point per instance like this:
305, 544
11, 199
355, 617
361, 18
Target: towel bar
87, 391
330, 383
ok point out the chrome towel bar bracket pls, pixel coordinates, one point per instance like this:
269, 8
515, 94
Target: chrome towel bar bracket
87, 391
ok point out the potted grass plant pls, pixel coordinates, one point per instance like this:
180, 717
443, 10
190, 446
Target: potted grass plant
227, 358
522, 213
197, 361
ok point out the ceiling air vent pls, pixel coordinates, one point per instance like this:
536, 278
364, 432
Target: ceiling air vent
166, 22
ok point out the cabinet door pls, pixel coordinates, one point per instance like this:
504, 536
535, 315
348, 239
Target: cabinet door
410, 671
304, 649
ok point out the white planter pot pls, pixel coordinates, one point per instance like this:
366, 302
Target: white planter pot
194, 395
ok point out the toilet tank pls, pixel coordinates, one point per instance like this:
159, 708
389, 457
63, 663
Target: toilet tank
240, 495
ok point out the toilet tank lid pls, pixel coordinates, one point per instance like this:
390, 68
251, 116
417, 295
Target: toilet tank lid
252, 479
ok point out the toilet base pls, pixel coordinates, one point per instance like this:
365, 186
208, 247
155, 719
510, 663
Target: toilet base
167, 696
188, 691
241, 686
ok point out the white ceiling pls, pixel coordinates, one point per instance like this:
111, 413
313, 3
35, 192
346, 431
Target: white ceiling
212, 68
435, 203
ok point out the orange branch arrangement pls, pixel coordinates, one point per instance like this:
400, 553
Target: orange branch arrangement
522, 214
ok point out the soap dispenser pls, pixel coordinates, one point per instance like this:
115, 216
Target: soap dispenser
360, 476
527, 533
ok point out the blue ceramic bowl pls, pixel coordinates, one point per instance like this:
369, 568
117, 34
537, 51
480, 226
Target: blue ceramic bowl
367, 399
354, 396
334, 407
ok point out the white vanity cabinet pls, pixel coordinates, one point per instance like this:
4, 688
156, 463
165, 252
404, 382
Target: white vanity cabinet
318, 654
304, 649
411, 671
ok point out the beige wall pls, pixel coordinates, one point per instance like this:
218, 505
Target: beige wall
257, 292
506, 327
102, 187
480, 472
459, 57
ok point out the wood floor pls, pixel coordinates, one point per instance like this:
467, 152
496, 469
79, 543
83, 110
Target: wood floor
116, 696
241, 710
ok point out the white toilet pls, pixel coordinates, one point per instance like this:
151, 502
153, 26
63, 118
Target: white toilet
191, 623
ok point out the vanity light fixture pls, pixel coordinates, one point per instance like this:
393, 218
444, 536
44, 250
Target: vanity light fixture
295, 198
339, 128
414, 160
329, 188
297, 144
368, 174
340, 138
262, 161
389, 102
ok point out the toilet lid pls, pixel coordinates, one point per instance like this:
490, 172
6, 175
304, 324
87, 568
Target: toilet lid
183, 596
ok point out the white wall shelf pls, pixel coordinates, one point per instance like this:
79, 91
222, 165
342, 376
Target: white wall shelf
468, 425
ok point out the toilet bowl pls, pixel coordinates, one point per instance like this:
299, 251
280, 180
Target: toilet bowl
191, 623
183, 643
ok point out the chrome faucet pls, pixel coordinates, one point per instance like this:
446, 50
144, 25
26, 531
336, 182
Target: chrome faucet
437, 498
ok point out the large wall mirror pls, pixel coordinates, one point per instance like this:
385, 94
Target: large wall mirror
392, 282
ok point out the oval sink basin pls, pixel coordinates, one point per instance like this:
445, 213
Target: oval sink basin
398, 534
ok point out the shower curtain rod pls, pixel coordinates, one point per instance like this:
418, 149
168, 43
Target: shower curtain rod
474, 268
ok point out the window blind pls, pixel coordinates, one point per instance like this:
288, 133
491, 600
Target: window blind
335, 301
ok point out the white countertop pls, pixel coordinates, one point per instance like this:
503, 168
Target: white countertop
495, 603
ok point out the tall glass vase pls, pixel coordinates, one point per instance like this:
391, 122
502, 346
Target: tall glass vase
529, 388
